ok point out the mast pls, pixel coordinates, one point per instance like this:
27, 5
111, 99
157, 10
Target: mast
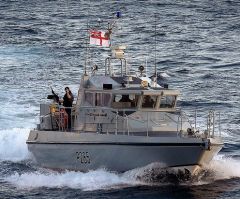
86, 58
155, 47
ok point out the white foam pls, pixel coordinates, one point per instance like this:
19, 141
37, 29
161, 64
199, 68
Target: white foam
222, 166
16, 116
164, 74
93, 180
13, 145
139, 173
225, 167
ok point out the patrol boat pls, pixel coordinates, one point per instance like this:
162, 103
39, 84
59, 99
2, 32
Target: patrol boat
121, 121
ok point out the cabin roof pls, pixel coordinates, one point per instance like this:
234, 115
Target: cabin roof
120, 80
121, 85
97, 82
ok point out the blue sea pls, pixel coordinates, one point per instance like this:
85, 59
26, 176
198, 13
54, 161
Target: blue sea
43, 45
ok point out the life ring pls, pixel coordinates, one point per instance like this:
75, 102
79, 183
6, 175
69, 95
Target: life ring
53, 108
144, 83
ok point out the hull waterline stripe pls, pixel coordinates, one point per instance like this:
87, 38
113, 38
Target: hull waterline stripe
119, 143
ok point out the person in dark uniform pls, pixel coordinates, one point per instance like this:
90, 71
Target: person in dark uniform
148, 102
125, 98
67, 102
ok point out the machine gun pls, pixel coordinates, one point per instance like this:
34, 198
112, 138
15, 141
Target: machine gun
54, 97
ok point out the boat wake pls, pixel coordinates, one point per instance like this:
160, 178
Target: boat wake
92, 180
221, 168
13, 145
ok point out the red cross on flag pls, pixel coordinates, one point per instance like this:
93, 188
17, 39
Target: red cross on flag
99, 38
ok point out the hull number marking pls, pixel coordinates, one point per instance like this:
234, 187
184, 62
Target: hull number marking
83, 157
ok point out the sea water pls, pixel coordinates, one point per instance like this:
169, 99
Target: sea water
43, 45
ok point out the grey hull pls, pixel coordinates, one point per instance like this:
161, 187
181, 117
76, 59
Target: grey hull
87, 151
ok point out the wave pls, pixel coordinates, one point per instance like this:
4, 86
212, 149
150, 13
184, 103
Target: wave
225, 167
163, 75
13, 145
92, 180
184, 71
209, 76
100, 179
228, 66
220, 168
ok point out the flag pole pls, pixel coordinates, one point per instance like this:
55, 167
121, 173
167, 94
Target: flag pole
87, 45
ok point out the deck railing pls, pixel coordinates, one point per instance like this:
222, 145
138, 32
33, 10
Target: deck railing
210, 123
130, 121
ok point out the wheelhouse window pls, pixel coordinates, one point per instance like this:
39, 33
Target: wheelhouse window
102, 99
149, 101
125, 101
97, 99
89, 99
168, 101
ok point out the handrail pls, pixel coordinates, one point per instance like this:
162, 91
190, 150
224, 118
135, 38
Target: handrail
122, 117
107, 119
184, 114
210, 130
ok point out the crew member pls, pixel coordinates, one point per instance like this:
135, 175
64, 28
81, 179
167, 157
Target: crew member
125, 98
67, 102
